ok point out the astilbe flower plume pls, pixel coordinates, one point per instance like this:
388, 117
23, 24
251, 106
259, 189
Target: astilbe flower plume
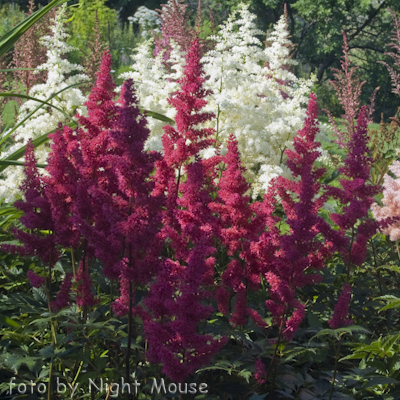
63, 298
174, 26
260, 372
186, 140
29, 52
84, 289
94, 54
239, 227
127, 216
35, 280
348, 88
176, 299
356, 194
339, 318
292, 260
356, 197
36, 217
395, 55
75, 163
175, 302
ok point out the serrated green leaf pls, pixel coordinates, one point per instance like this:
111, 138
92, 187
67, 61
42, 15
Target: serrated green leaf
380, 381
47, 352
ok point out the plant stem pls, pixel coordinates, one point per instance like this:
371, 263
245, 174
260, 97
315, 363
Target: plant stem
337, 355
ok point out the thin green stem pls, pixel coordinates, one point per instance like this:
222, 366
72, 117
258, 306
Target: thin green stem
337, 355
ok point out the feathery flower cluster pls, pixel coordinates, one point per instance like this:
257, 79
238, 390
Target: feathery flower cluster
260, 373
174, 26
35, 280
291, 260
239, 227
175, 300
84, 291
395, 45
245, 97
100, 190
339, 318
356, 196
148, 21
37, 216
391, 202
63, 298
43, 121
348, 88
74, 164
30, 53
94, 55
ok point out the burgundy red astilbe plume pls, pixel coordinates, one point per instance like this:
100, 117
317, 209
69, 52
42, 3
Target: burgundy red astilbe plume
175, 302
239, 227
356, 197
291, 260
37, 216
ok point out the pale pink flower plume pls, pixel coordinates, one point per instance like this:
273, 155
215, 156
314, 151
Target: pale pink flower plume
391, 201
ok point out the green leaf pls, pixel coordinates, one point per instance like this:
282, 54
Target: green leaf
258, 396
47, 352
8, 321
352, 328
14, 362
158, 116
333, 176
325, 332
23, 96
380, 381
313, 320
37, 142
39, 107
10, 37
394, 268
19, 163
389, 342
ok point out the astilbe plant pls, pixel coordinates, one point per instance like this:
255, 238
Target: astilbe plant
185, 141
176, 298
76, 166
292, 260
94, 54
29, 52
239, 227
395, 55
130, 213
174, 304
37, 215
391, 203
37, 218
356, 197
174, 26
348, 88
